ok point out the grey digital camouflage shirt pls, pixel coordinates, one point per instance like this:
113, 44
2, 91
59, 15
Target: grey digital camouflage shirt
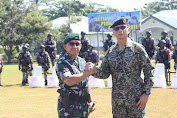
125, 65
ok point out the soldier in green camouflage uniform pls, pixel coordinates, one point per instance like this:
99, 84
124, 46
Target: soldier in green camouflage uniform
74, 87
125, 62
25, 64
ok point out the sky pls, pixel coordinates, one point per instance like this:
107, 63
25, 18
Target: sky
122, 5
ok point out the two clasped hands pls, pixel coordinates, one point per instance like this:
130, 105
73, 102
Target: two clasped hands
90, 68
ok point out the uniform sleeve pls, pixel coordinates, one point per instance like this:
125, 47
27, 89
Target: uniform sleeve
31, 59
147, 68
54, 44
103, 71
62, 71
48, 59
19, 58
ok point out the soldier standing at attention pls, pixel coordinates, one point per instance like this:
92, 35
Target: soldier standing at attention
108, 43
91, 56
85, 43
43, 60
25, 63
51, 48
167, 40
75, 93
175, 58
1, 68
125, 62
149, 44
163, 56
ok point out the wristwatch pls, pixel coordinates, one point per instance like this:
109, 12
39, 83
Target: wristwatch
147, 92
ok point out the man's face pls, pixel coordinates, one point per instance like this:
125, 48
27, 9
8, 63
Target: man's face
24, 49
148, 34
121, 31
49, 37
83, 35
164, 35
73, 47
42, 49
162, 45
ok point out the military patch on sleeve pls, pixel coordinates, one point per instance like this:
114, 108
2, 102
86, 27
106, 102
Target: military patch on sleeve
67, 74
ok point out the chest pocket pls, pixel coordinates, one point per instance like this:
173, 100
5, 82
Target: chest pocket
130, 61
115, 62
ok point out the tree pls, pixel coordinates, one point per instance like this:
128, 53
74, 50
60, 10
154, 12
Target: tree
63, 8
20, 24
154, 7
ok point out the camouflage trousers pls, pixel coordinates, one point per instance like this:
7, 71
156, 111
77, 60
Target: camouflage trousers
72, 113
53, 62
0, 78
166, 75
123, 111
45, 76
25, 77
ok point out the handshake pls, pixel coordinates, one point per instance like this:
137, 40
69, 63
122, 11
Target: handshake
90, 68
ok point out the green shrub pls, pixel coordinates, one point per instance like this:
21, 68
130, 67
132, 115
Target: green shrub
1, 50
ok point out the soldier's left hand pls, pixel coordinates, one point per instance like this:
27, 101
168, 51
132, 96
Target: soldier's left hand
142, 102
92, 106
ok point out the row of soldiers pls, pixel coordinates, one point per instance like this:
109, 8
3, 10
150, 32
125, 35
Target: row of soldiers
163, 53
46, 54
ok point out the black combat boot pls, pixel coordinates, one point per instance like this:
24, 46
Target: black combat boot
23, 83
1, 85
26, 81
45, 82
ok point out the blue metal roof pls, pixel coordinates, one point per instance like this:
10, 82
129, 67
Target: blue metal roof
168, 17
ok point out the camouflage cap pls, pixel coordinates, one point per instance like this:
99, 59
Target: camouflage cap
163, 41
149, 32
50, 34
72, 36
164, 32
83, 32
119, 21
109, 35
25, 47
42, 46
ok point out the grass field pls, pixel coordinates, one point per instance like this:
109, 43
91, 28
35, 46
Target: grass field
18, 101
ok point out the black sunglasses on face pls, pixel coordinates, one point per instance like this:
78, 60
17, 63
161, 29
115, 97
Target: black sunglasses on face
72, 44
121, 27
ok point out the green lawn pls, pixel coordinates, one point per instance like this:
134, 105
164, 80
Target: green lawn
18, 101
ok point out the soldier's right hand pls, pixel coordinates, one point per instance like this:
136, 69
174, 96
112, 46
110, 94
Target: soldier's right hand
19, 68
90, 67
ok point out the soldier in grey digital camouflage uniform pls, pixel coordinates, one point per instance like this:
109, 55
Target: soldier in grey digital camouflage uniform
50, 47
43, 59
25, 64
149, 44
125, 62
75, 92
163, 56
1, 68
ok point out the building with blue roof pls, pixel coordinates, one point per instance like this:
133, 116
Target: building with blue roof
163, 20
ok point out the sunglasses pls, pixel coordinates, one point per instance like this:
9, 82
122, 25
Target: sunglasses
121, 27
72, 44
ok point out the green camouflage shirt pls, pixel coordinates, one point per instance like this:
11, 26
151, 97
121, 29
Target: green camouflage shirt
67, 66
125, 65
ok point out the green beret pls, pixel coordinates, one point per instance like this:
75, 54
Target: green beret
120, 21
71, 36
